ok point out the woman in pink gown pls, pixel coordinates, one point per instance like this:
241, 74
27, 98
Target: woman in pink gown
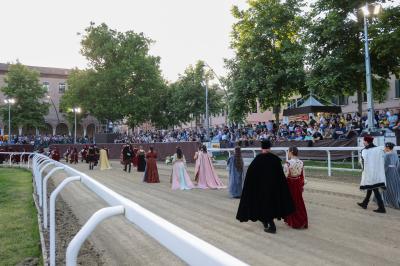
205, 173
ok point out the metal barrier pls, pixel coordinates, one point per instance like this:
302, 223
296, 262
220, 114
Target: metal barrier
186, 246
286, 149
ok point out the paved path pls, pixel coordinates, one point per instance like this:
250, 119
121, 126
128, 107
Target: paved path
340, 232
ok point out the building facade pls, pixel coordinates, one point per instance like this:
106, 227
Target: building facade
55, 82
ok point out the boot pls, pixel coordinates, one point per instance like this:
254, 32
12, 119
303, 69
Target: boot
271, 228
380, 210
362, 205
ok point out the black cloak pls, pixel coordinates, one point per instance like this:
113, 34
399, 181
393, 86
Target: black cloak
265, 193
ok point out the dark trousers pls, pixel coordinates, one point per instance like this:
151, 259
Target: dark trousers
128, 165
377, 196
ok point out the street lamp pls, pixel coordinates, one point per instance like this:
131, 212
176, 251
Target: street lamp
223, 88
204, 83
75, 110
9, 101
370, 98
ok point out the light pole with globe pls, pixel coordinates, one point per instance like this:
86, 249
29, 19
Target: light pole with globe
9, 101
75, 110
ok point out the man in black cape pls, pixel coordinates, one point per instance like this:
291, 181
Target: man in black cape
265, 193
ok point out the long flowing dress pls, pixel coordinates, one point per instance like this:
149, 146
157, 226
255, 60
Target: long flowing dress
391, 196
151, 173
180, 177
206, 173
141, 166
104, 163
235, 178
294, 171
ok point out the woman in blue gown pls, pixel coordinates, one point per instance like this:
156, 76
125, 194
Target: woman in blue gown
235, 166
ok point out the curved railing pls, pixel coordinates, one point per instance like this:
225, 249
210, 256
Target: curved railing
186, 246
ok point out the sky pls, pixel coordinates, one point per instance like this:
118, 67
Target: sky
44, 32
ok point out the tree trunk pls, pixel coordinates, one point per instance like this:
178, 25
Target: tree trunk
359, 100
277, 110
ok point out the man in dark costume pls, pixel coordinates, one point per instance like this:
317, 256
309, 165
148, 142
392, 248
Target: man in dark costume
266, 194
127, 157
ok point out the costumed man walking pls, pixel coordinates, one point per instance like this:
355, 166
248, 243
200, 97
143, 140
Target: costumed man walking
373, 174
266, 194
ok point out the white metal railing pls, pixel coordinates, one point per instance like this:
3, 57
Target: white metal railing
186, 246
328, 151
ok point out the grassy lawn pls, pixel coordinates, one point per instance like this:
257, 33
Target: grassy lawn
19, 233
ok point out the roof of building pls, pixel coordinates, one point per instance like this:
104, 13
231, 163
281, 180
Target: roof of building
44, 71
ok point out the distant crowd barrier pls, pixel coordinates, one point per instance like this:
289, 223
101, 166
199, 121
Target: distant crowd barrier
354, 153
186, 246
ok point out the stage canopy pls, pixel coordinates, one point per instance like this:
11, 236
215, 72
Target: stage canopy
312, 105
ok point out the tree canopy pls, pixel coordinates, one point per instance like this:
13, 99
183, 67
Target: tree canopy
268, 66
123, 81
22, 84
336, 48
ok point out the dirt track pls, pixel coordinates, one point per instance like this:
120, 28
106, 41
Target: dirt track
340, 232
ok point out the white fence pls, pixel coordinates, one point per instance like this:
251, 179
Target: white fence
186, 246
328, 150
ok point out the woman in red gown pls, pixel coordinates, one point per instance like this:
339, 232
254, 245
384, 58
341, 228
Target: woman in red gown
294, 171
151, 172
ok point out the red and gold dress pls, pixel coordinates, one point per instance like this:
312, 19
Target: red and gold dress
151, 172
294, 171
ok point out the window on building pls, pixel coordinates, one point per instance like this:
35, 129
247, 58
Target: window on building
61, 87
46, 86
397, 88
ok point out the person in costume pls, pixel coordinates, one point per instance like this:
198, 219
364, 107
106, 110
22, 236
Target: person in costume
197, 162
91, 156
84, 153
141, 167
373, 174
266, 193
151, 173
127, 158
55, 155
104, 163
180, 179
204, 170
74, 156
391, 196
134, 157
236, 166
294, 171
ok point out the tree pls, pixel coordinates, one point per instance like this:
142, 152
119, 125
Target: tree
123, 80
22, 84
268, 66
336, 54
188, 94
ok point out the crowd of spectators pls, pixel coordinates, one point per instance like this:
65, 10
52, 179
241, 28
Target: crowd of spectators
324, 126
44, 140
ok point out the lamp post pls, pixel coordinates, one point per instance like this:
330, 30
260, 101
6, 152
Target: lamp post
9, 101
370, 98
75, 110
204, 83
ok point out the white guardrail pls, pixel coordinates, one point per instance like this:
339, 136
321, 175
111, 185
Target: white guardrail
186, 246
328, 151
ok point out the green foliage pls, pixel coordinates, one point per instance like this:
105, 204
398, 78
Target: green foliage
22, 84
19, 234
124, 81
336, 54
188, 95
269, 56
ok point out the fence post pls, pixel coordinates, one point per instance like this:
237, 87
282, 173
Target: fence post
352, 159
41, 183
329, 163
76, 243
52, 171
53, 216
